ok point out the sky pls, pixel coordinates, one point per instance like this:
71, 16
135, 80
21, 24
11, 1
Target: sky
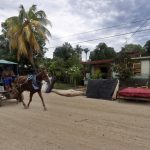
89, 17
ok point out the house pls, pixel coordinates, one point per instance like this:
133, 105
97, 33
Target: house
104, 66
141, 67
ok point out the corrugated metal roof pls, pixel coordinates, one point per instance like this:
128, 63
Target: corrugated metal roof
2, 61
144, 57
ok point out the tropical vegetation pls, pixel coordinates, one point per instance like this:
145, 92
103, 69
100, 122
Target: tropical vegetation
24, 37
27, 32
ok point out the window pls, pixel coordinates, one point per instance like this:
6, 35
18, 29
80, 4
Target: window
137, 68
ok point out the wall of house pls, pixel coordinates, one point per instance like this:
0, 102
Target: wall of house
145, 69
95, 68
104, 69
92, 70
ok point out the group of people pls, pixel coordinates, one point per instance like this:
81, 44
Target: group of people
7, 77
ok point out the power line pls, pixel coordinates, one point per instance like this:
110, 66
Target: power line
143, 36
136, 30
109, 27
116, 35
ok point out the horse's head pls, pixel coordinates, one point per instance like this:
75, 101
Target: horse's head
43, 75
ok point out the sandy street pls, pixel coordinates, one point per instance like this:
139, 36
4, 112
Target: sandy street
74, 123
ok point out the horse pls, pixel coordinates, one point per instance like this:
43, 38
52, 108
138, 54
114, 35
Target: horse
23, 83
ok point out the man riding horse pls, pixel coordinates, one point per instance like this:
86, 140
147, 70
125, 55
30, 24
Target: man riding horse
32, 84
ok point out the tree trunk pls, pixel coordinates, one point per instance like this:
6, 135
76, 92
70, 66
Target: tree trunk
30, 57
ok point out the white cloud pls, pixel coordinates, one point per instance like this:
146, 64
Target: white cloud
69, 17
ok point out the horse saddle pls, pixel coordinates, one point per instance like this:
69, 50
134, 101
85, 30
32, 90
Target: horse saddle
32, 77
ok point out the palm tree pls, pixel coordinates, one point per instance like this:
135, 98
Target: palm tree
79, 51
86, 50
22, 31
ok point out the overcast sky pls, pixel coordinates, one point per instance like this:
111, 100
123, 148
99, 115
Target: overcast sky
69, 17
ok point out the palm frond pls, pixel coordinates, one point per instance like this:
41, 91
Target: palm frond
34, 44
41, 29
31, 12
27, 33
33, 8
25, 30
30, 57
22, 14
46, 31
41, 34
44, 21
12, 44
12, 21
35, 23
40, 14
22, 50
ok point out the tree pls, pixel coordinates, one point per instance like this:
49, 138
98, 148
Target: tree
4, 49
69, 67
65, 51
102, 51
123, 66
68, 54
23, 30
74, 73
133, 48
147, 47
4, 43
79, 51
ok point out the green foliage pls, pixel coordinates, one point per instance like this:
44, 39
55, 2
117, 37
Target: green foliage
27, 33
4, 49
123, 66
73, 60
147, 47
74, 73
65, 52
63, 86
7, 55
97, 75
57, 68
133, 48
67, 66
102, 51
79, 51
4, 43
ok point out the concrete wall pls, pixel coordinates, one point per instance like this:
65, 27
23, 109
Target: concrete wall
145, 69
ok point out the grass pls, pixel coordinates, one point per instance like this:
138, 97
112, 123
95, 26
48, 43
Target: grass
63, 86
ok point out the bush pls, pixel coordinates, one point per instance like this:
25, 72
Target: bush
97, 75
75, 74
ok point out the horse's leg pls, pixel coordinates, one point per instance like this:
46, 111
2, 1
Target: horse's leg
20, 99
40, 94
31, 94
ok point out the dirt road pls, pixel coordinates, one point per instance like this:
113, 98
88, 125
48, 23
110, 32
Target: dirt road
76, 123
